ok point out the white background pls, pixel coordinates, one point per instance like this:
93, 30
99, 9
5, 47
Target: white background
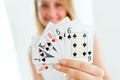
103, 14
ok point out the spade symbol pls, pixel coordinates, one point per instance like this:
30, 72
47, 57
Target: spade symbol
89, 52
49, 44
47, 49
74, 45
74, 36
84, 53
43, 59
69, 37
74, 54
42, 54
60, 37
84, 35
84, 44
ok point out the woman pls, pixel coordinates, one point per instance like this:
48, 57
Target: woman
54, 11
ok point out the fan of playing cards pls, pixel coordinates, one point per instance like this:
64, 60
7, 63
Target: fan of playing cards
66, 39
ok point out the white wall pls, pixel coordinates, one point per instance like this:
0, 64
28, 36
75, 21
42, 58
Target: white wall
8, 65
105, 15
107, 20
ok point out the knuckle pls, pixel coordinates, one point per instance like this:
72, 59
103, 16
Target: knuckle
83, 66
77, 74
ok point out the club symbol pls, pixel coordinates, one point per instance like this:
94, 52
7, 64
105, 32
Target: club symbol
84, 44
69, 37
37, 59
74, 45
60, 37
49, 44
40, 50
74, 36
43, 59
89, 52
42, 54
47, 49
84, 53
74, 54
84, 35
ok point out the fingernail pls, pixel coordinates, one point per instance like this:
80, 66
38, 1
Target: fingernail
57, 66
63, 62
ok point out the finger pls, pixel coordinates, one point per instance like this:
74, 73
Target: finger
83, 66
75, 74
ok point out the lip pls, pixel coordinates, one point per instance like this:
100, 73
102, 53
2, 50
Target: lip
53, 20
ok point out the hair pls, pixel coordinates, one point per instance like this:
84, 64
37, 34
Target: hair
70, 13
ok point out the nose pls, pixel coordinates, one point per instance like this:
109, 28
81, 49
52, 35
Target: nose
52, 14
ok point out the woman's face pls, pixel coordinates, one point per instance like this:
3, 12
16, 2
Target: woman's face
50, 10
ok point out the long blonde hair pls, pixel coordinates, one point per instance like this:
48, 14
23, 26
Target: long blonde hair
70, 13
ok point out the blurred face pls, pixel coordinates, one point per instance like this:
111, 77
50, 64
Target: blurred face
50, 10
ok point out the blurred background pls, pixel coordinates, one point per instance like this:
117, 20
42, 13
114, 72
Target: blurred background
104, 15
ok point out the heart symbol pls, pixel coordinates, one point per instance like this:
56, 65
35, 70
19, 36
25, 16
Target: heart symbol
46, 67
53, 40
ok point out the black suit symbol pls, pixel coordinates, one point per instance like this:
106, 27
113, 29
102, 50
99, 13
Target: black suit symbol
74, 36
74, 45
74, 54
84, 53
69, 37
60, 37
84, 35
84, 44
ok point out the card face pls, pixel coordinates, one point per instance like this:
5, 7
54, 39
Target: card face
79, 45
66, 39
82, 42
59, 32
47, 49
68, 36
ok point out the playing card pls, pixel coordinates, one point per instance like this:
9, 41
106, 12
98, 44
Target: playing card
81, 42
49, 51
59, 32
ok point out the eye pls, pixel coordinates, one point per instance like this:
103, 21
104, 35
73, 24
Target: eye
58, 5
44, 6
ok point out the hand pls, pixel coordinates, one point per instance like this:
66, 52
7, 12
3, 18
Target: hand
78, 70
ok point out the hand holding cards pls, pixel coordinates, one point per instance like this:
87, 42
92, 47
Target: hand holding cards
66, 39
